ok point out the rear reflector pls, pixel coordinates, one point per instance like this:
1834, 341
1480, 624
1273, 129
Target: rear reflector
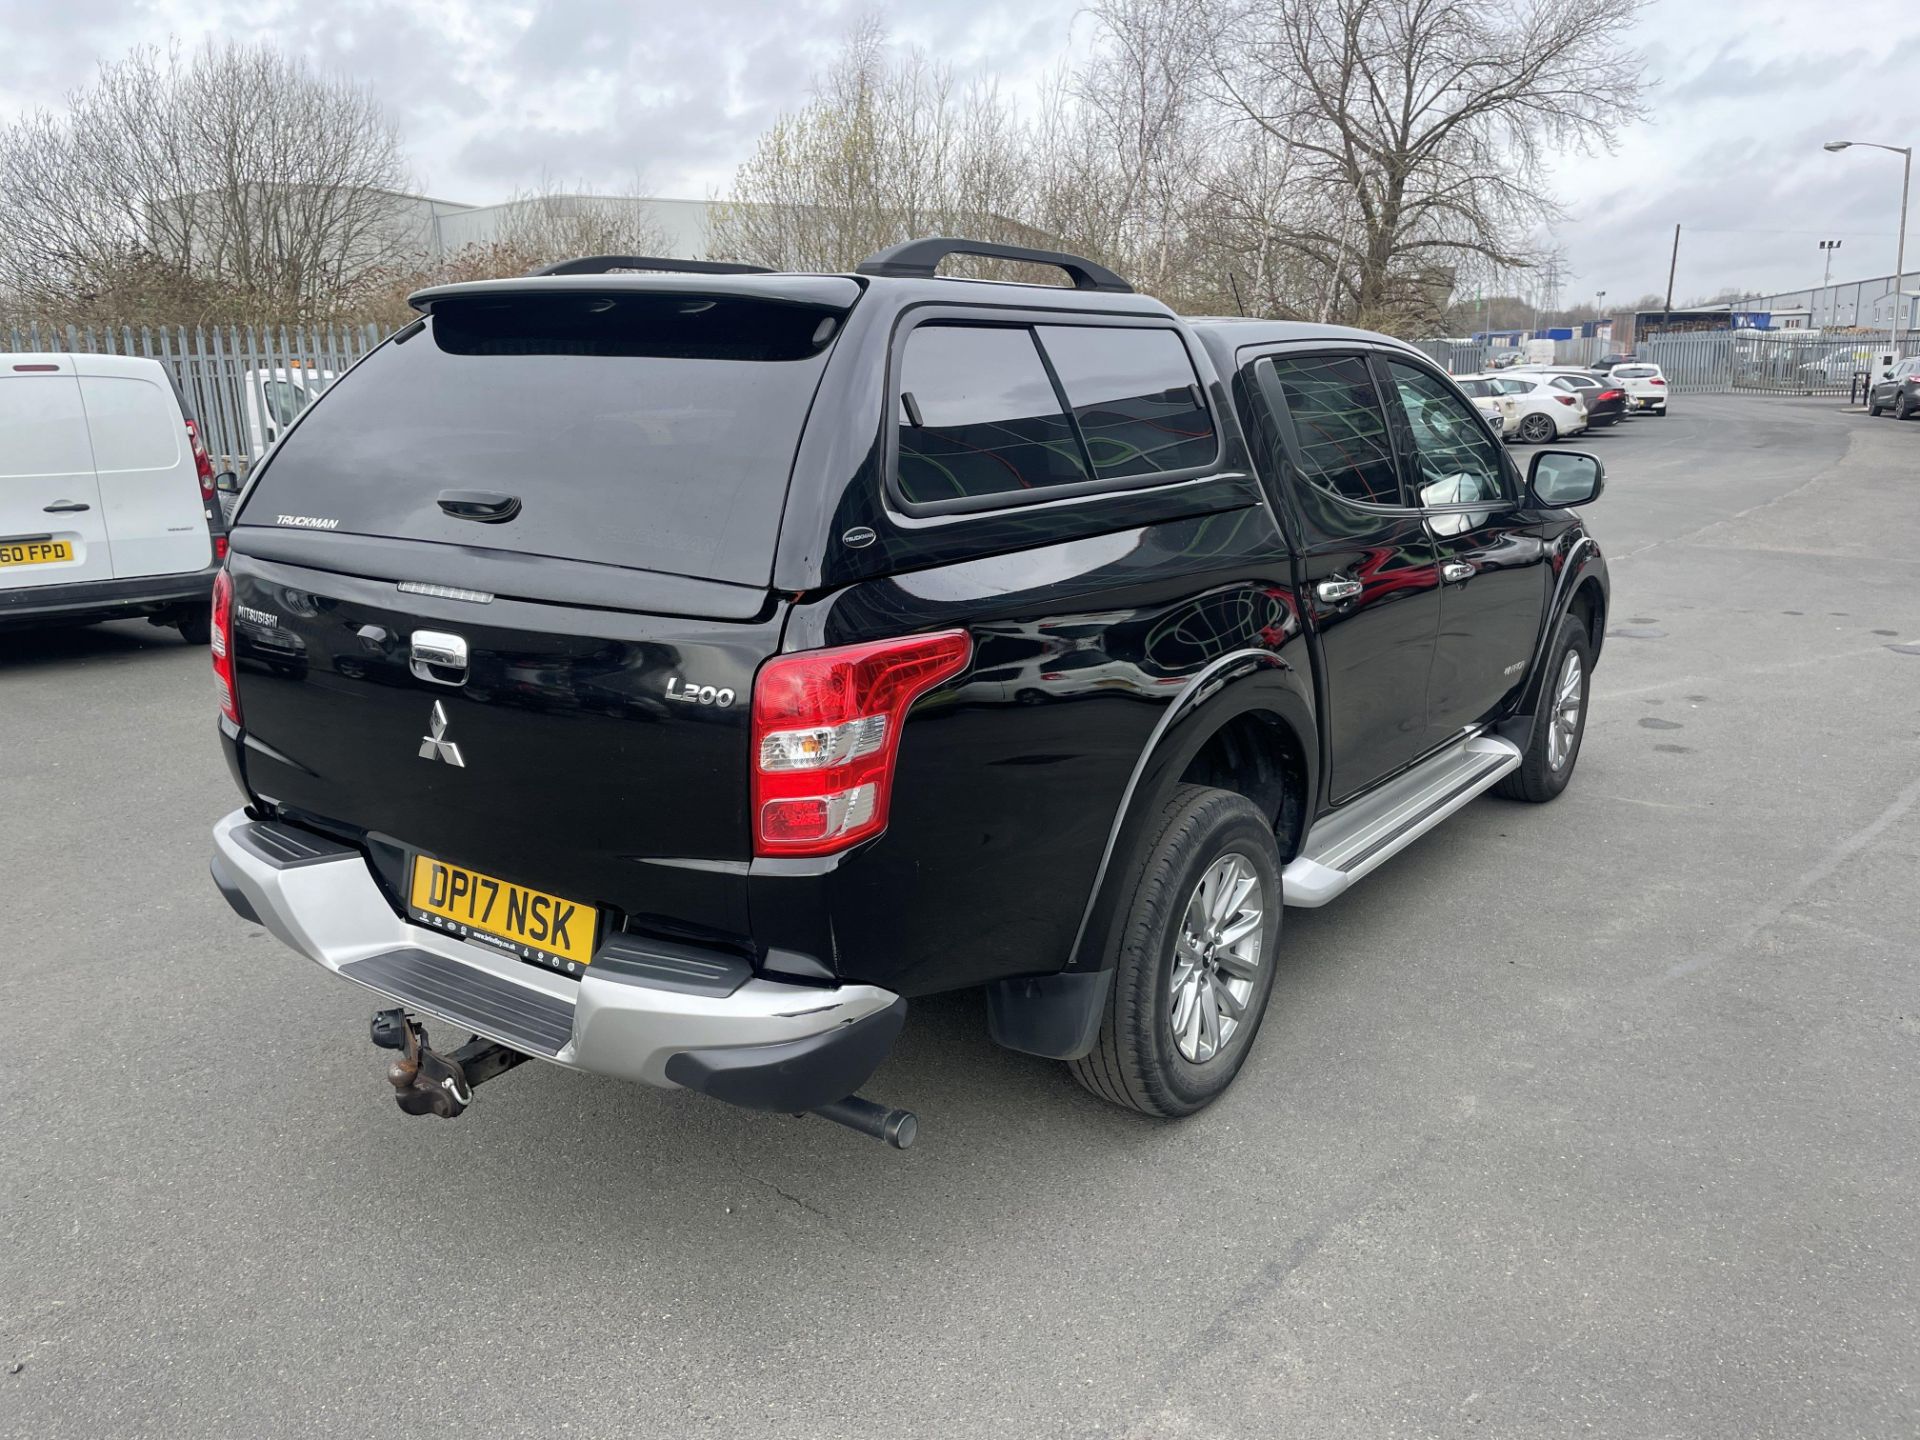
222, 646
826, 734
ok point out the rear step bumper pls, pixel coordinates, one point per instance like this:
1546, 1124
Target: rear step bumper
682, 1021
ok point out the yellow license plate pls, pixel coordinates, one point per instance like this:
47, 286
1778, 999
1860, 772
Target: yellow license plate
35, 552
532, 923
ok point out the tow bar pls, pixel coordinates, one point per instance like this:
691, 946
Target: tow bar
426, 1082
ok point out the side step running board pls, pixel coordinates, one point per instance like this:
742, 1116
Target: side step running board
1366, 832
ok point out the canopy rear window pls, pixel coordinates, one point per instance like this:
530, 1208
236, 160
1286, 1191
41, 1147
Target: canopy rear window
651, 430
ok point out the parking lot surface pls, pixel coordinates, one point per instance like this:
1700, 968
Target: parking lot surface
1594, 1117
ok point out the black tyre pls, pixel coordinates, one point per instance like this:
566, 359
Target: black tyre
1902, 407
1194, 957
196, 628
1873, 408
1559, 722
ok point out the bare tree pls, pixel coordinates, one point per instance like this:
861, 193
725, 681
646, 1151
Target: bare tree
886, 150
544, 224
1430, 121
237, 177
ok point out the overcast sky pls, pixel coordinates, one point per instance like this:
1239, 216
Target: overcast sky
492, 93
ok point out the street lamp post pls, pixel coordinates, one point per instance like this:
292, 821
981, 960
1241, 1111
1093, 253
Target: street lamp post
1905, 152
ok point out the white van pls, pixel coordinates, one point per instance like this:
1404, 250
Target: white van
107, 497
274, 400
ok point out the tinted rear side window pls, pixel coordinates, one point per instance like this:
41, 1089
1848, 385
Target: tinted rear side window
1636, 372
980, 416
1336, 411
1135, 395
643, 429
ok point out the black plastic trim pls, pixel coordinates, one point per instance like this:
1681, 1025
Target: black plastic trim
1057, 1016
794, 1075
285, 847
531, 1020
601, 264
920, 259
666, 965
232, 893
105, 599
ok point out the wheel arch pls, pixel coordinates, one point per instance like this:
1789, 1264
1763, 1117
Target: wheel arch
1247, 727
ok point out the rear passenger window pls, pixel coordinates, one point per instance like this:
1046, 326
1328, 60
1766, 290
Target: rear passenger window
1135, 396
1341, 426
980, 416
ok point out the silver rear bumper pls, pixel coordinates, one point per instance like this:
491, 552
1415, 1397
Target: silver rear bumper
323, 902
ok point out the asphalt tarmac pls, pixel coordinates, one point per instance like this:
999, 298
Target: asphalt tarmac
1588, 1118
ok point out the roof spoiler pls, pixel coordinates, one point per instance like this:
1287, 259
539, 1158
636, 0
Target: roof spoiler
920, 259
602, 264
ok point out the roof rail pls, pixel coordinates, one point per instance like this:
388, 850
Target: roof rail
601, 264
921, 258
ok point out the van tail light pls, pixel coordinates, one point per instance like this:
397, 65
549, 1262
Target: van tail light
202, 462
826, 733
222, 645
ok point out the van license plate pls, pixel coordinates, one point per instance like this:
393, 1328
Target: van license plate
35, 552
532, 924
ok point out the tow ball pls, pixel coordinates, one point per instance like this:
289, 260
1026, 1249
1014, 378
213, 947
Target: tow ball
425, 1082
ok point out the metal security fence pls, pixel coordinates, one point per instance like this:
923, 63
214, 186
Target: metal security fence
1693, 364
1790, 364
1456, 357
241, 384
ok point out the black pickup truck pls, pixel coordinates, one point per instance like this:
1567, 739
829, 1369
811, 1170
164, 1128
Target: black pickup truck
670, 670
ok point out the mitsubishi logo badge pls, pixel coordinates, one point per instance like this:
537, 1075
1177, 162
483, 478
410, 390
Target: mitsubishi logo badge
434, 745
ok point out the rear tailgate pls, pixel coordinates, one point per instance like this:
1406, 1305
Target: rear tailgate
562, 759
500, 594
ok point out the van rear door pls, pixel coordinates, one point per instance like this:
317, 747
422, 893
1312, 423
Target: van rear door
149, 485
52, 525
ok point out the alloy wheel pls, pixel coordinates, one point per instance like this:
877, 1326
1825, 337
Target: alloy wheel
1216, 957
1563, 721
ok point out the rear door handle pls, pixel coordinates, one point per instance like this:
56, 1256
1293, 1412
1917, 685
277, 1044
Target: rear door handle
482, 505
1454, 571
437, 656
1337, 589
64, 507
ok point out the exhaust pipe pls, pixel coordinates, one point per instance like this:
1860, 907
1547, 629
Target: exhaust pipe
898, 1128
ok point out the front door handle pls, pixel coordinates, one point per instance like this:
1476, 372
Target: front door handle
1454, 571
64, 507
1336, 590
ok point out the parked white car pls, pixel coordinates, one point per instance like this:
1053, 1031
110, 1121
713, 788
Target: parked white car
1489, 400
106, 495
1645, 384
1542, 410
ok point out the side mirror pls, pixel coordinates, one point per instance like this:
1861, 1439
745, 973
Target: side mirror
227, 483
1561, 479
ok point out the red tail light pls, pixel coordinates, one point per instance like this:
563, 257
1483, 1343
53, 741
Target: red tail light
1656, 381
202, 462
1611, 394
1566, 399
222, 646
826, 731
